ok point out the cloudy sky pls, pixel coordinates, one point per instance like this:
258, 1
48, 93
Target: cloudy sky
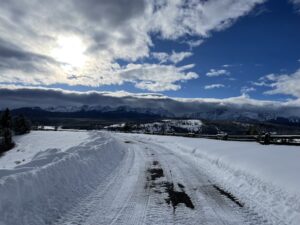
180, 48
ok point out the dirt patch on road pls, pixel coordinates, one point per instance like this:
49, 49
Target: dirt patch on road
157, 181
156, 173
177, 197
155, 163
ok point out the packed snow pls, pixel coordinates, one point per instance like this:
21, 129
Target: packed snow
99, 178
264, 176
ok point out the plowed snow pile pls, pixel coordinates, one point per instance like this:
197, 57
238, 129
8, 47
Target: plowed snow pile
53, 179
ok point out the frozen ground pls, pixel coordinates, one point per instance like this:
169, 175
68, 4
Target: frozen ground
109, 178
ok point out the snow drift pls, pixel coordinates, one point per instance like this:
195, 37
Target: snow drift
40, 191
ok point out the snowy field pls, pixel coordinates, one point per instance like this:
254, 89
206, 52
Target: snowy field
27, 146
95, 178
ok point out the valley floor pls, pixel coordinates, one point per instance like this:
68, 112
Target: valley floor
112, 178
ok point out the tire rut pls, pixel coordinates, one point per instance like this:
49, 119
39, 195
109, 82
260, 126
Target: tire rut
211, 205
115, 201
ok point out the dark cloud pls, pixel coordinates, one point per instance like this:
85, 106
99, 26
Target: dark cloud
11, 56
110, 12
208, 108
8, 50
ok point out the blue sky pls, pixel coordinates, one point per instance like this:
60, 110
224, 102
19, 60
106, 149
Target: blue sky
251, 47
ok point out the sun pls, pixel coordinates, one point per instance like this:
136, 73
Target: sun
70, 50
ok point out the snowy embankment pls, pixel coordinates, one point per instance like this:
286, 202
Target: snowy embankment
54, 175
266, 178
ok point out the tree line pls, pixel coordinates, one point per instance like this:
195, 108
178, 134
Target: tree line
10, 126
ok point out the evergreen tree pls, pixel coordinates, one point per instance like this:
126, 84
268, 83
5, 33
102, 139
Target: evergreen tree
6, 125
21, 125
253, 130
126, 127
6, 121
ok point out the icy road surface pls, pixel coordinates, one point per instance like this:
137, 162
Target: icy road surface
154, 185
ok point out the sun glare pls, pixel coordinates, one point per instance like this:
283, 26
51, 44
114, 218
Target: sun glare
70, 50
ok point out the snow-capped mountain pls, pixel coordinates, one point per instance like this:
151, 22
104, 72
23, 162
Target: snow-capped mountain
122, 112
238, 115
103, 109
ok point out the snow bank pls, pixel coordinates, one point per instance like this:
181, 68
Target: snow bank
40, 191
266, 178
36, 141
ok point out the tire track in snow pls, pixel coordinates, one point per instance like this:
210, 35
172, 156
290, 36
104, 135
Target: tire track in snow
89, 203
123, 199
211, 207
119, 200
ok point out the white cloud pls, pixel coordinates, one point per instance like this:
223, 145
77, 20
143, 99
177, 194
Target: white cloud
265, 81
177, 57
194, 43
216, 73
162, 57
155, 77
245, 90
231, 65
288, 84
213, 86
226, 65
174, 57
176, 18
105, 31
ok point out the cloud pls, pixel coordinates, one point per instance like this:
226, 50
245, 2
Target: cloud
265, 81
260, 10
194, 43
162, 57
226, 65
288, 84
15, 62
106, 31
174, 57
177, 57
217, 73
213, 86
155, 77
177, 18
245, 90
296, 4
16, 97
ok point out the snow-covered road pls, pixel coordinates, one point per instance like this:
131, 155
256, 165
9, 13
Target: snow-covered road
154, 185
96, 178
